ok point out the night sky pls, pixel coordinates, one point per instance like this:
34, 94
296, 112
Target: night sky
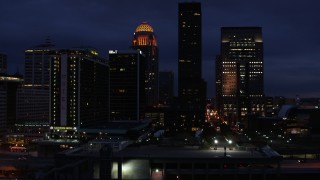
291, 33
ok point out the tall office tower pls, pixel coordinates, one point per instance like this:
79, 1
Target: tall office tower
3, 107
3, 63
166, 87
240, 90
79, 95
191, 86
34, 95
145, 40
8, 91
127, 85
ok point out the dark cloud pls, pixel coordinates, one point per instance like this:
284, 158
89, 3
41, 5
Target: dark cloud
290, 33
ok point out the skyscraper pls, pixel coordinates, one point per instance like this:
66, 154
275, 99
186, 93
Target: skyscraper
34, 95
239, 78
79, 93
191, 86
127, 85
145, 40
8, 98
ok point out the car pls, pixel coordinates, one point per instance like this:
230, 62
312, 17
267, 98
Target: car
22, 158
301, 160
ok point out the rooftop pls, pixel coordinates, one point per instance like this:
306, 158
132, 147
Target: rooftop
155, 151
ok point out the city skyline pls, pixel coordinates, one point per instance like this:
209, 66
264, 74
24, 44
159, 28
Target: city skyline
289, 33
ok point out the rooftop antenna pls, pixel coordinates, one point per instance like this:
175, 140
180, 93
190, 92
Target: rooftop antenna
48, 41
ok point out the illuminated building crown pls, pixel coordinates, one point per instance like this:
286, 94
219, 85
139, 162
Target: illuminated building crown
144, 35
144, 27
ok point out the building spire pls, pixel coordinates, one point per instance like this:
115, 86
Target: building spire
46, 44
48, 40
17, 74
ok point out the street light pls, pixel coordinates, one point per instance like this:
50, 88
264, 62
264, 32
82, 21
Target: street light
215, 144
230, 144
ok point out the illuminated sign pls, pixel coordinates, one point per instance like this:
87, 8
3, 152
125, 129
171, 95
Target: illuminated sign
62, 127
113, 51
4, 78
94, 52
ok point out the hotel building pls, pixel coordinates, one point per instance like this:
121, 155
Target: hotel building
79, 91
